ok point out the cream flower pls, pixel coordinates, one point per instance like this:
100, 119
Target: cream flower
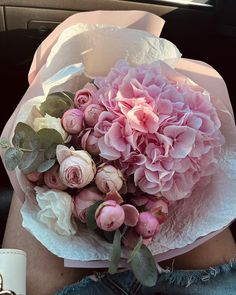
50, 122
55, 210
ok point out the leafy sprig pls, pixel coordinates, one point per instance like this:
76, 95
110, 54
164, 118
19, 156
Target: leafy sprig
31, 151
57, 103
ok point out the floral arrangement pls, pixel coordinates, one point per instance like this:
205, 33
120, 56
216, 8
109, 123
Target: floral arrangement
118, 154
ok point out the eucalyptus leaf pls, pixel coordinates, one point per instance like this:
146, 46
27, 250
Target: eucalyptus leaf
25, 137
49, 137
46, 165
91, 221
50, 152
30, 161
116, 251
12, 158
136, 248
57, 103
144, 267
5, 143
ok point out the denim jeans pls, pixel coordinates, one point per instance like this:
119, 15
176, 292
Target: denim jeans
219, 280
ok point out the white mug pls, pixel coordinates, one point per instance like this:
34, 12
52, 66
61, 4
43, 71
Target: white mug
13, 270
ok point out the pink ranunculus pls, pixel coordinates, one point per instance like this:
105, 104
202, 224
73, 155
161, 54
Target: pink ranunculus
92, 113
83, 200
108, 178
34, 176
73, 121
148, 225
77, 168
85, 96
109, 216
52, 178
89, 142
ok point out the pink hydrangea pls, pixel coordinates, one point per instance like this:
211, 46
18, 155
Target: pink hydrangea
158, 129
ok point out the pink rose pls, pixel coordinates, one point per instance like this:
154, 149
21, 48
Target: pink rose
109, 216
73, 121
77, 169
108, 178
147, 225
92, 113
34, 176
85, 96
52, 179
84, 199
89, 142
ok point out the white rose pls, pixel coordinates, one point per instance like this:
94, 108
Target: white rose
55, 210
50, 122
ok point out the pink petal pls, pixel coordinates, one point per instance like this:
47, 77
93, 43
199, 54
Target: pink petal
164, 106
183, 139
106, 151
62, 153
115, 196
131, 215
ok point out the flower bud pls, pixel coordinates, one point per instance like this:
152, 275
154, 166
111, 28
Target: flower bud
52, 179
85, 199
108, 178
92, 113
72, 121
147, 225
85, 96
77, 168
34, 176
109, 216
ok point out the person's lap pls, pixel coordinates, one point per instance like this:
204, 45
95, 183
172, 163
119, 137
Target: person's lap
46, 273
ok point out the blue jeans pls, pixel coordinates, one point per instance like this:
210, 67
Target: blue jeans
219, 280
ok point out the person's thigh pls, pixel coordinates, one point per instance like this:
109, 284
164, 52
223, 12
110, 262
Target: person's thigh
45, 271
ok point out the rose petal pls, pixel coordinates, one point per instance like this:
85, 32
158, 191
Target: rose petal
131, 215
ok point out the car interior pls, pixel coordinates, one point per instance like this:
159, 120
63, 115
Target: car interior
202, 30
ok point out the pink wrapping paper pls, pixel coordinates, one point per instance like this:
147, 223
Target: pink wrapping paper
199, 72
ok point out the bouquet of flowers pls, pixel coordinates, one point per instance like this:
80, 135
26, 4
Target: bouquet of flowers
108, 159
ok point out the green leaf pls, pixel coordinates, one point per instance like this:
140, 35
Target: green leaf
116, 251
30, 161
144, 267
46, 165
12, 158
136, 248
5, 143
25, 137
57, 103
50, 153
91, 221
49, 137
